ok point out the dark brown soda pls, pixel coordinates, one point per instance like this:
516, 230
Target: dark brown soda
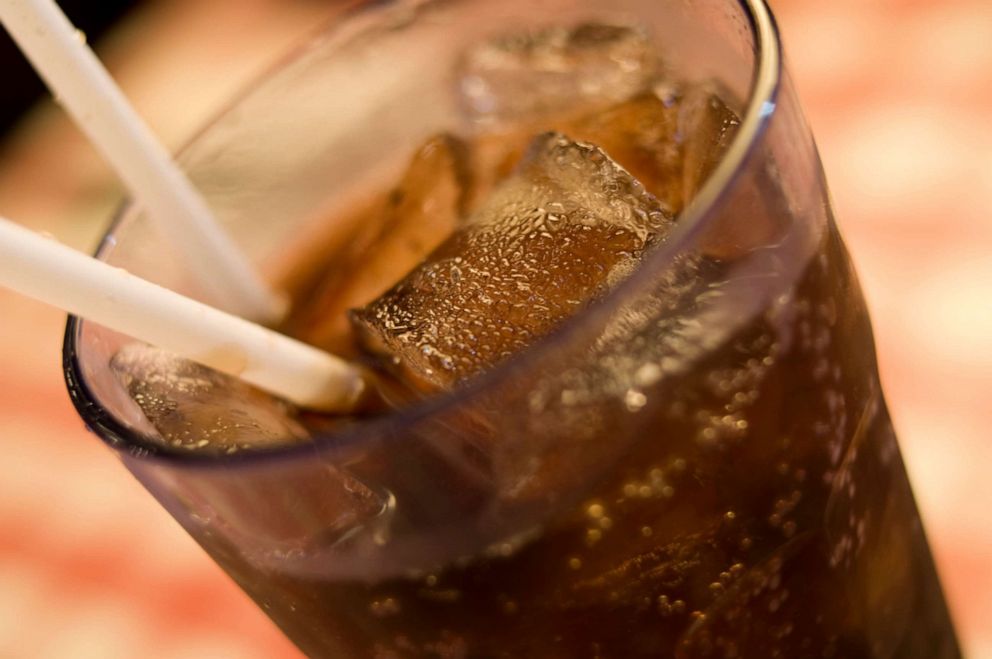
762, 511
760, 547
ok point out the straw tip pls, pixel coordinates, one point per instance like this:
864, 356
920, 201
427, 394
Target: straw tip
277, 306
345, 392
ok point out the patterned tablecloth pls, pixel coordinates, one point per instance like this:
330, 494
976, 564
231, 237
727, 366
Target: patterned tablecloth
899, 94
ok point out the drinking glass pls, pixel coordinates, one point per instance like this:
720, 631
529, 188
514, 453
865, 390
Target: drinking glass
700, 464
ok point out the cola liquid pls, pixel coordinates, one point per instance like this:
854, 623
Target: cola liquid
763, 512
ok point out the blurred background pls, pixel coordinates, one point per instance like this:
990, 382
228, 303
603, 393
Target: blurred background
899, 96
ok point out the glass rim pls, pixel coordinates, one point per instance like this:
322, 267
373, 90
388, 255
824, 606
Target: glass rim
760, 108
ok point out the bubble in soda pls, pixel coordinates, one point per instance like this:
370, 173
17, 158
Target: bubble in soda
567, 227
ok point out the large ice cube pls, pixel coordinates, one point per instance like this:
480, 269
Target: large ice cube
563, 230
526, 75
197, 408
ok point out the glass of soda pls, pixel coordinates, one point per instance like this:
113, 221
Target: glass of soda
623, 393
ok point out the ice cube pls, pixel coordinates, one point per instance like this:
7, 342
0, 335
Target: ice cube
417, 216
199, 409
756, 212
708, 126
667, 138
493, 158
643, 136
611, 389
563, 230
526, 75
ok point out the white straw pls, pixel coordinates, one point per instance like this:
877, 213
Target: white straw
81, 84
62, 277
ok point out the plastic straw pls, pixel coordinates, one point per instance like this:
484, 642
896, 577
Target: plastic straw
81, 84
48, 271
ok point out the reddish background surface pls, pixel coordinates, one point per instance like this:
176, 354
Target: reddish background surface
899, 95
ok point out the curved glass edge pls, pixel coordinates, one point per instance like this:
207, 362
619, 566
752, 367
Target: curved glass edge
762, 103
